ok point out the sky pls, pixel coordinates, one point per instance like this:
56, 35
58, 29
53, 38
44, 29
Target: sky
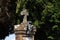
10, 37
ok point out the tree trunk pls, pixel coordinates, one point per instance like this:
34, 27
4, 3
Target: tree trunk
7, 17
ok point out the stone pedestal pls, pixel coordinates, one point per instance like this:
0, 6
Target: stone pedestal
22, 34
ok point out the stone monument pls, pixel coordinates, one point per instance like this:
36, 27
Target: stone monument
25, 30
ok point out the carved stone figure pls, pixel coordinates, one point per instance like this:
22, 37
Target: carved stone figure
24, 31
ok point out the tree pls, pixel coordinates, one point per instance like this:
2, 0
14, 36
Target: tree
44, 14
7, 17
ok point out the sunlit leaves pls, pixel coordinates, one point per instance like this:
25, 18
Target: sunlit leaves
50, 37
18, 6
36, 23
39, 0
55, 26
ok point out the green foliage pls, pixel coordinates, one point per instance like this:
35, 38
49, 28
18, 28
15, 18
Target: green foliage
44, 14
50, 37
